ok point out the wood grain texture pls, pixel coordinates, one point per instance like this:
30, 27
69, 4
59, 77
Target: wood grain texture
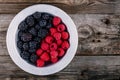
96, 37
70, 6
81, 68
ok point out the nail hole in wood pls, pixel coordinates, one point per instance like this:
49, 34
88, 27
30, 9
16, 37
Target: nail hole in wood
98, 40
93, 40
98, 33
106, 21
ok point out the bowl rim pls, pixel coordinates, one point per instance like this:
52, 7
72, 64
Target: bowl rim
11, 40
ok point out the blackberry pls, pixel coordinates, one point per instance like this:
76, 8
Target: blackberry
33, 44
37, 39
37, 27
37, 15
33, 58
32, 50
45, 16
30, 21
20, 33
49, 25
42, 23
26, 37
33, 31
25, 46
19, 44
25, 55
23, 26
42, 33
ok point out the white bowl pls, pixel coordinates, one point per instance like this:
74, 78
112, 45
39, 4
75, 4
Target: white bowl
12, 34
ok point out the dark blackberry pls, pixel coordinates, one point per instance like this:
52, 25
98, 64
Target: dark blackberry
19, 44
45, 16
37, 15
23, 26
25, 55
42, 33
49, 25
20, 33
30, 21
37, 27
33, 58
32, 50
26, 37
37, 39
42, 23
25, 46
33, 31
33, 44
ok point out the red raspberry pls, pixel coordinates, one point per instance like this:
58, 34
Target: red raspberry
39, 52
65, 45
56, 20
57, 36
59, 42
61, 52
49, 39
52, 31
54, 60
61, 27
53, 54
45, 56
44, 46
53, 46
65, 35
40, 63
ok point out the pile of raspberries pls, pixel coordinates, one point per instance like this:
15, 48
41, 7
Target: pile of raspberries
43, 39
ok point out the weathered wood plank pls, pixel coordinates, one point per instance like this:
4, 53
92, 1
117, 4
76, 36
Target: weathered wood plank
81, 68
98, 34
70, 6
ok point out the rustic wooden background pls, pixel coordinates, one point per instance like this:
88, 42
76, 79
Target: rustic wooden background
98, 25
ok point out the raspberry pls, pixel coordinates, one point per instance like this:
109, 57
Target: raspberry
30, 21
54, 60
49, 39
33, 58
65, 35
44, 46
53, 46
59, 42
61, 27
52, 31
65, 45
57, 36
53, 54
61, 52
39, 52
56, 21
40, 63
45, 56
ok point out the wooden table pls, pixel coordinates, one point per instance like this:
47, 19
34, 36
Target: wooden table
98, 25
